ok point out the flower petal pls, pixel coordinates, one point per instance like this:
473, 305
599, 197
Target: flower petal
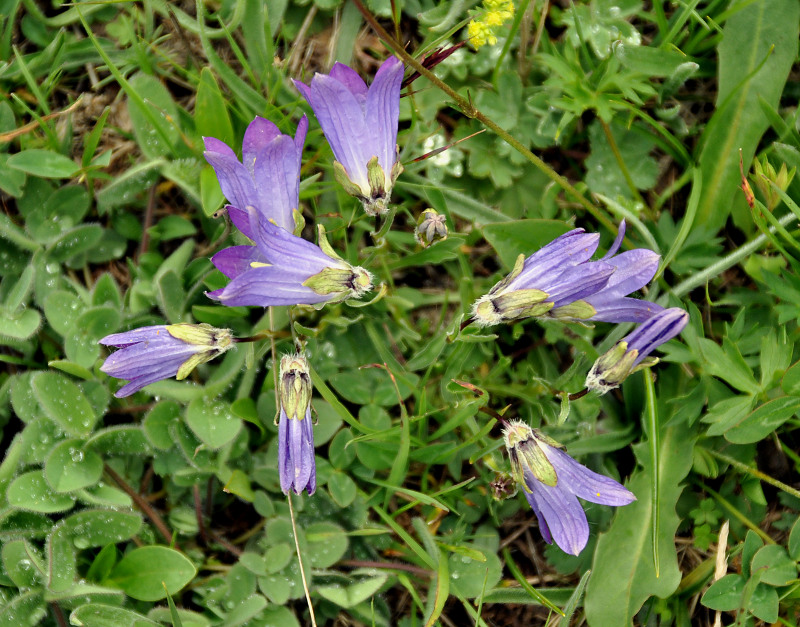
578, 282
277, 180
135, 336
617, 241
348, 77
234, 179
585, 483
543, 528
624, 310
284, 454
342, 119
383, 112
288, 251
570, 249
267, 286
635, 269
563, 514
236, 259
260, 132
311, 485
241, 220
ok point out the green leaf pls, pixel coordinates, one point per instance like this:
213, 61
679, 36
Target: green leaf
213, 422
764, 420
75, 241
157, 422
141, 573
64, 403
31, 492
348, 596
649, 60
70, 466
71, 368
755, 32
18, 294
327, 543
623, 574
521, 237
81, 342
120, 440
154, 116
12, 181
211, 196
342, 488
43, 163
728, 365
725, 594
779, 569
239, 484
95, 528
340, 452
603, 173
62, 308
20, 326
210, 112
790, 383
245, 610
23, 564
100, 615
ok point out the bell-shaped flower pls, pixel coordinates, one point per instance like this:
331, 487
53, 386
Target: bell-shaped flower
557, 275
360, 125
553, 482
283, 269
267, 178
631, 353
149, 354
296, 463
633, 269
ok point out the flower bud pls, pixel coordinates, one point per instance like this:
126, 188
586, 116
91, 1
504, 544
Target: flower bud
431, 227
296, 463
631, 353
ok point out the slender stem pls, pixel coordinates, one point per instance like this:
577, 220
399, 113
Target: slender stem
715, 269
651, 416
733, 511
300, 560
141, 503
755, 472
469, 110
415, 570
274, 366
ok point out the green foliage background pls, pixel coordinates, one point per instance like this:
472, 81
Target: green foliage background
165, 508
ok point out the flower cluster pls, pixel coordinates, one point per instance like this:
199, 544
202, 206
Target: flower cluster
483, 30
560, 282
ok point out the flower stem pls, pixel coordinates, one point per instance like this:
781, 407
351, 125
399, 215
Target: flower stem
626, 173
300, 561
755, 472
469, 110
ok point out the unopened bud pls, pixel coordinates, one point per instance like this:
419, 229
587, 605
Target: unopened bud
431, 227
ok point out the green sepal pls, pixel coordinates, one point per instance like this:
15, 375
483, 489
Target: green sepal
330, 281
577, 310
538, 463
376, 178
515, 271
192, 363
199, 334
295, 387
299, 222
397, 168
340, 174
324, 245
522, 304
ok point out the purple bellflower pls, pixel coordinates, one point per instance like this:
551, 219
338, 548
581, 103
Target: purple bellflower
558, 281
553, 481
283, 269
296, 464
149, 354
631, 353
633, 269
268, 178
360, 124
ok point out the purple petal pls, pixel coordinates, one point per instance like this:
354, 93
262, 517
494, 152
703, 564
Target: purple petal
543, 528
624, 310
236, 259
383, 111
234, 179
617, 241
578, 283
311, 486
214, 145
284, 456
635, 269
570, 249
136, 359
241, 220
134, 336
288, 251
585, 483
267, 286
342, 119
654, 332
563, 514
151, 376
350, 79
304, 89
277, 178
300, 136
258, 135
